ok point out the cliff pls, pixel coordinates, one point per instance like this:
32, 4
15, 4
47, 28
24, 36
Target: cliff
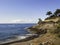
48, 33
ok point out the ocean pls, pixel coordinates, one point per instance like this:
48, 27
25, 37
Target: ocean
9, 31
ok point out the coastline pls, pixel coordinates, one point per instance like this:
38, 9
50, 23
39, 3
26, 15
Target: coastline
20, 39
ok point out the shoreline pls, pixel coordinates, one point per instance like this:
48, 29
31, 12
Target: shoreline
20, 39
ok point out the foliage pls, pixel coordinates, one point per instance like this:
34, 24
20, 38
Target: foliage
49, 13
55, 14
39, 21
57, 11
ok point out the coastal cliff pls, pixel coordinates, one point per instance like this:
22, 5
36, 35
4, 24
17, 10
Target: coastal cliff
48, 33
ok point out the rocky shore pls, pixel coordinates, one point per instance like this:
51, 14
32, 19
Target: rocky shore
45, 33
20, 39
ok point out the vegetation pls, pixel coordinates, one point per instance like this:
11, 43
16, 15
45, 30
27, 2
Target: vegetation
57, 12
49, 13
52, 29
48, 32
40, 21
53, 15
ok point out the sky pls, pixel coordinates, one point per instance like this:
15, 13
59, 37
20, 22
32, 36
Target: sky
26, 11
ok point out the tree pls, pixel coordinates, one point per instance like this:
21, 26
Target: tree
39, 21
57, 12
49, 13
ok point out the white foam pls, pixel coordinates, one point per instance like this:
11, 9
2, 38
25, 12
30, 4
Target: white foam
22, 37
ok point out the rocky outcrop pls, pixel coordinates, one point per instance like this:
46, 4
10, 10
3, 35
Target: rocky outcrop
37, 31
48, 28
48, 33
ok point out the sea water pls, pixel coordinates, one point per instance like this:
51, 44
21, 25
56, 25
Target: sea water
10, 31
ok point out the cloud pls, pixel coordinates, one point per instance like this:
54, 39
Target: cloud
19, 21
22, 21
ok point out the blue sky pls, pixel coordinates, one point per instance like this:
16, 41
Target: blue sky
26, 11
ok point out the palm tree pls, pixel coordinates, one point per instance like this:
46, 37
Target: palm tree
49, 13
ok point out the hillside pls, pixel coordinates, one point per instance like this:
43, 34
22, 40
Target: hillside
48, 33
